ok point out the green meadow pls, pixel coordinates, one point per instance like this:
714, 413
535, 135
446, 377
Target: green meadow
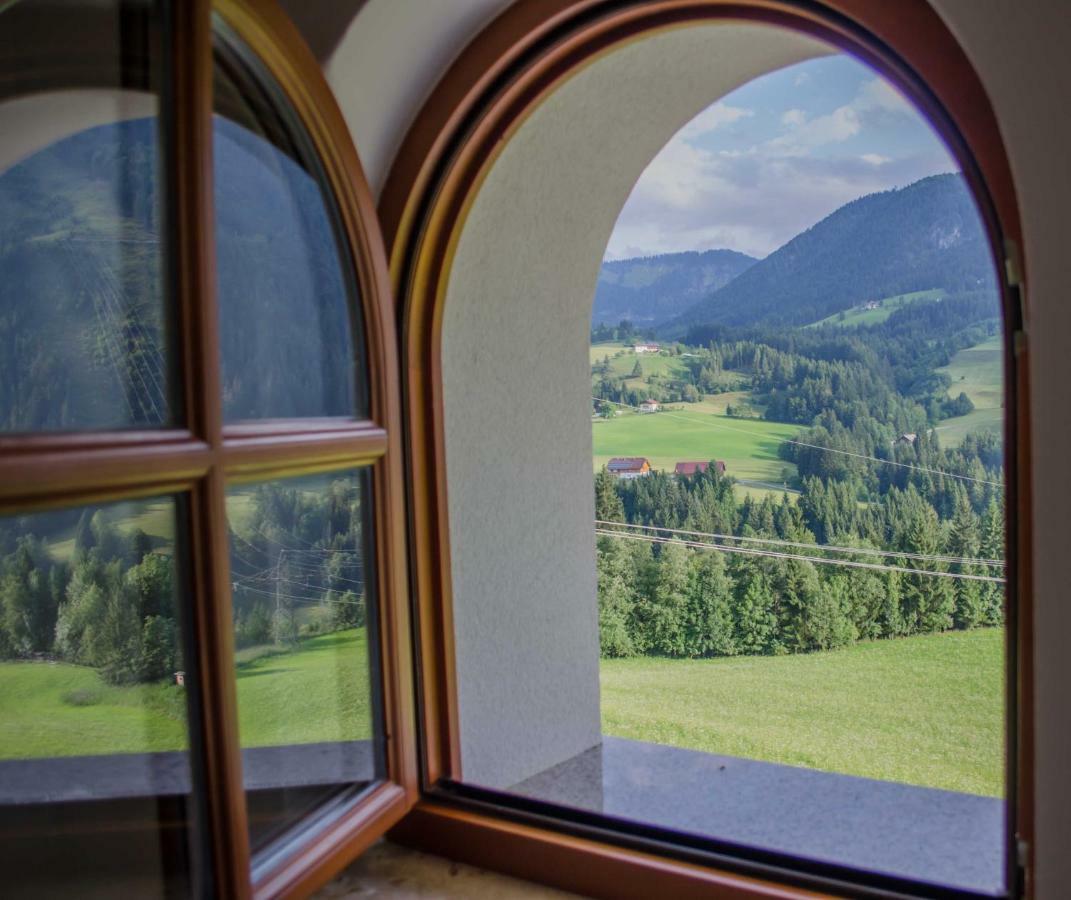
924, 710
317, 692
747, 446
889, 305
978, 372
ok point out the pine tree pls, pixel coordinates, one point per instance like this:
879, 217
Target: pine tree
670, 601
708, 618
608, 505
964, 542
616, 599
756, 625
928, 601
992, 547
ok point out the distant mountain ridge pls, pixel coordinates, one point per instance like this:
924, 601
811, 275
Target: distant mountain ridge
651, 290
924, 236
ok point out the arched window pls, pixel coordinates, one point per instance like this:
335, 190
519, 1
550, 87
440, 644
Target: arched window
499, 208
202, 625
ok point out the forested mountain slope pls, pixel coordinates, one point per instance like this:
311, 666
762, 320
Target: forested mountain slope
926, 235
650, 290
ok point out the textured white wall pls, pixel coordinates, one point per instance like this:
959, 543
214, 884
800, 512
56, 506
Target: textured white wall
517, 386
389, 60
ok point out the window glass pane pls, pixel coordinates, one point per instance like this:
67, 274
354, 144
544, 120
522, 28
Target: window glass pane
84, 327
785, 629
304, 620
289, 313
93, 699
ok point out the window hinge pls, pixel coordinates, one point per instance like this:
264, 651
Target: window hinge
1022, 866
1013, 279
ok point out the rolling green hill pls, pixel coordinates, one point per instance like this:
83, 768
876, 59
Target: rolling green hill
888, 305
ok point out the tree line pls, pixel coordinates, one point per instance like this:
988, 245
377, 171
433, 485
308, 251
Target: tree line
668, 599
296, 570
111, 606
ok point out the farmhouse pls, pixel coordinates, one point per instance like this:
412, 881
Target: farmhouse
646, 348
871, 304
907, 438
690, 468
629, 466
649, 406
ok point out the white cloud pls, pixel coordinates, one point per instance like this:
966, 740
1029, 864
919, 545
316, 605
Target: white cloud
754, 199
837, 126
693, 199
712, 118
874, 97
802, 79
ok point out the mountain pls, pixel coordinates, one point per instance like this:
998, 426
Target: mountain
925, 236
650, 290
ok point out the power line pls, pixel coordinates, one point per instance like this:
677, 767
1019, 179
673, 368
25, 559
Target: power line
827, 548
307, 601
752, 551
888, 462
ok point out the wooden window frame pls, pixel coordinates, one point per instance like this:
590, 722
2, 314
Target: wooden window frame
490, 89
198, 458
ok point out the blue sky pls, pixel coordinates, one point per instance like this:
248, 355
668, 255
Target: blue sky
773, 158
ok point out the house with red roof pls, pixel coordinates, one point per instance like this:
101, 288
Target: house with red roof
690, 468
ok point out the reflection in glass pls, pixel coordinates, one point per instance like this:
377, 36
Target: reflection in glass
83, 327
289, 314
302, 606
92, 672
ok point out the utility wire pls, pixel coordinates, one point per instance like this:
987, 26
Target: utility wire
308, 601
826, 548
752, 551
887, 462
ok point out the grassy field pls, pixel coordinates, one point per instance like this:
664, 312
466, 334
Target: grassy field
860, 316
748, 446
319, 692
652, 364
598, 351
977, 372
923, 710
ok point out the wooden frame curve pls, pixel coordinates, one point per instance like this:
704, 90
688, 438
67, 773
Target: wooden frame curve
324, 445
488, 92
